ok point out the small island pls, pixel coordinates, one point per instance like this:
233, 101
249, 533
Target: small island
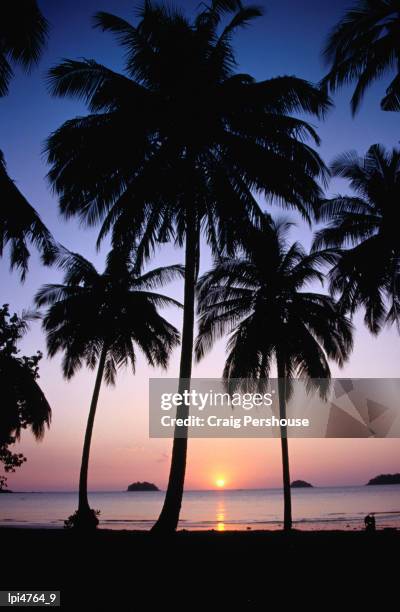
142, 486
385, 479
301, 484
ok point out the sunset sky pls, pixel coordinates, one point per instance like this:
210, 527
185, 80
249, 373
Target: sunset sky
279, 43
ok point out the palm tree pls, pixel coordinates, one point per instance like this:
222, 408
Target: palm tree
23, 33
24, 404
362, 47
178, 145
261, 301
364, 229
99, 319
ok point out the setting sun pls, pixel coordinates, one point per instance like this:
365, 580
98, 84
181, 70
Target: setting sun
220, 482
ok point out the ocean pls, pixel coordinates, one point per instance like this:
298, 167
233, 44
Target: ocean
316, 508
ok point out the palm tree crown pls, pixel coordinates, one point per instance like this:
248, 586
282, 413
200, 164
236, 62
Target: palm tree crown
181, 114
367, 274
260, 299
115, 310
362, 47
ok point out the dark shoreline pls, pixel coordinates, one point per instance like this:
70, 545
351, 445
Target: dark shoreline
120, 568
204, 533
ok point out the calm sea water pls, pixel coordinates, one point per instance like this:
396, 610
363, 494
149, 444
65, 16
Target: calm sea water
317, 508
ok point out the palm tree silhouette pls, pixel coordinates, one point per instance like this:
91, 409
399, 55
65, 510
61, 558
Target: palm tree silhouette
367, 274
177, 146
23, 33
99, 319
260, 300
362, 47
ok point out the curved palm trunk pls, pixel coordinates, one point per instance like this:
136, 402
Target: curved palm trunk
287, 500
84, 511
169, 517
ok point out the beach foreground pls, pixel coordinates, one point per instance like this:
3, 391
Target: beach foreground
119, 569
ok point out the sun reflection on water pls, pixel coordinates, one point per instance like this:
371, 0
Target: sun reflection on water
220, 517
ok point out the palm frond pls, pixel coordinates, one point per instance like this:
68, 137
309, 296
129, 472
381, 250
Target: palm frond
158, 277
99, 87
362, 47
23, 33
20, 225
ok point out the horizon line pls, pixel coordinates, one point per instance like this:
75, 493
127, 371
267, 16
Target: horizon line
194, 490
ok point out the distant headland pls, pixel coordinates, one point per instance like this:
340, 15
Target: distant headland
385, 479
142, 486
301, 484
